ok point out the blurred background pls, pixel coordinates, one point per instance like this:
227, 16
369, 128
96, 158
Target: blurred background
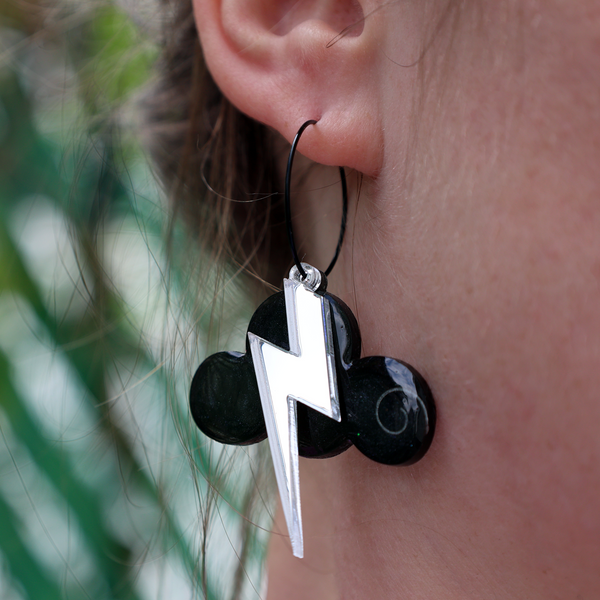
107, 491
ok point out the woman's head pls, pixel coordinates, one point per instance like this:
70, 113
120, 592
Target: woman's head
473, 252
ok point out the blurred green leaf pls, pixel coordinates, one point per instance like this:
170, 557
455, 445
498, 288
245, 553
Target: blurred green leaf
114, 559
112, 58
36, 581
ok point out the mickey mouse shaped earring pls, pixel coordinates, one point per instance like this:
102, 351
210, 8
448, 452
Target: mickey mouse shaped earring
303, 384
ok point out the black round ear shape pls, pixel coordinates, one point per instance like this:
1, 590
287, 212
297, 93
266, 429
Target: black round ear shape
390, 410
225, 402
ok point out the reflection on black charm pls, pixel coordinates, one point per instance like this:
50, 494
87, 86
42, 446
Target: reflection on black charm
316, 404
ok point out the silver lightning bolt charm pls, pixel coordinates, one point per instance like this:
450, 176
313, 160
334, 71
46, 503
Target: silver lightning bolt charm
305, 374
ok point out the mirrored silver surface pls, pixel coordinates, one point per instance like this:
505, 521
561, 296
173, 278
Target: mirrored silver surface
305, 374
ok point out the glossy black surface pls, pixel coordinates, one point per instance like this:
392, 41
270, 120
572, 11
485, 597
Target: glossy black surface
224, 400
387, 409
390, 410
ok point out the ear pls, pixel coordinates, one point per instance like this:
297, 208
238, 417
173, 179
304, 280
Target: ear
275, 61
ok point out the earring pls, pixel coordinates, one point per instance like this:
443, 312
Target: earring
303, 384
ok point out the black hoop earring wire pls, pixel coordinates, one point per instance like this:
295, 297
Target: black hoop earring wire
288, 210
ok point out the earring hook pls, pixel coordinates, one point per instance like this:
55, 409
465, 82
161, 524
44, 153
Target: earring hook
288, 210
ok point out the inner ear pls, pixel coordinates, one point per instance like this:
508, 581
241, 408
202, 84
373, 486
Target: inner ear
341, 15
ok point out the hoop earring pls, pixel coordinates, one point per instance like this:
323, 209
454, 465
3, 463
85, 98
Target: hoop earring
302, 383
288, 209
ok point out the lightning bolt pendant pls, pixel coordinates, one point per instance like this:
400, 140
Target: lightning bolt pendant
388, 410
305, 374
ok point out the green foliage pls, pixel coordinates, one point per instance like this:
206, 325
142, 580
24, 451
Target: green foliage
122, 58
105, 487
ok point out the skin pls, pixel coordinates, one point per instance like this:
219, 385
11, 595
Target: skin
473, 253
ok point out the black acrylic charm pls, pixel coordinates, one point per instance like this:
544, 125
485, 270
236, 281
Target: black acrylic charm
387, 408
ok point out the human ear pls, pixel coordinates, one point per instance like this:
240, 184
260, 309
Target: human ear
283, 63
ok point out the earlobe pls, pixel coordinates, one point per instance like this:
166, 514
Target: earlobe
275, 61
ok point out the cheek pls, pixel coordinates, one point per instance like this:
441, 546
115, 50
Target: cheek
487, 282
497, 306
496, 303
